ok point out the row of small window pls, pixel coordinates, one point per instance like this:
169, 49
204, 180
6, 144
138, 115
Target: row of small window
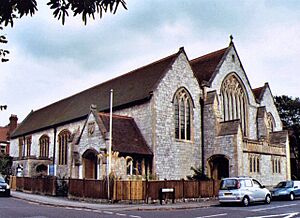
63, 138
254, 164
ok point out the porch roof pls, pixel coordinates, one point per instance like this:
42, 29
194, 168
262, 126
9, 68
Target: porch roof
126, 136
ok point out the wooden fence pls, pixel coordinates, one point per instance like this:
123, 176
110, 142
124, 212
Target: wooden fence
88, 188
144, 190
139, 190
45, 186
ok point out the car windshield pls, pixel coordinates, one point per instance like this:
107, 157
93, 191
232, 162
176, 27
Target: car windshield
286, 184
229, 184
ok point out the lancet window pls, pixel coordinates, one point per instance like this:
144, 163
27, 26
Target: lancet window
63, 139
44, 146
183, 115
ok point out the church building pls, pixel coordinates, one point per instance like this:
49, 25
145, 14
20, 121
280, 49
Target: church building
168, 116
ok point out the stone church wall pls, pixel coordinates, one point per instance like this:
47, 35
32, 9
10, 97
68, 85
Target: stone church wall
62, 171
174, 158
143, 116
266, 175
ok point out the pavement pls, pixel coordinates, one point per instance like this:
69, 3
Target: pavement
68, 203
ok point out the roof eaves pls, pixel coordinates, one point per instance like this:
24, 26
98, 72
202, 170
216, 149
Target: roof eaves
48, 127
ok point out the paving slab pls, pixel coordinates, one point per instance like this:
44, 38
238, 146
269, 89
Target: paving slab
65, 202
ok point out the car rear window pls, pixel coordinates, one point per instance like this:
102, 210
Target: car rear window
285, 184
2, 179
228, 184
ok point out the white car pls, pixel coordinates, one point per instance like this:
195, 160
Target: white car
244, 190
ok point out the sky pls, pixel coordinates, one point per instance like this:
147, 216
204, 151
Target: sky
49, 62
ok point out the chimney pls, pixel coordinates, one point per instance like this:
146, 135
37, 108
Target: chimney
13, 123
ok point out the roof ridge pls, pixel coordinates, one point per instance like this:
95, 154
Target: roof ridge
209, 54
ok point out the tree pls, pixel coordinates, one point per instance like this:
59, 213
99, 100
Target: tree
3, 52
5, 164
289, 112
198, 174
13, 9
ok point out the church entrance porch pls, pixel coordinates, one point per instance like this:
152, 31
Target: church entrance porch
218, 167
89, 161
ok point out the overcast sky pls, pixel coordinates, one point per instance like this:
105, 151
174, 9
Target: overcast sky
49, 61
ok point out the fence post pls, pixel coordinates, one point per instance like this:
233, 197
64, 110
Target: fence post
183, 190
146, 194
214, 191
115, 193
83, 187
130, 196
199, 188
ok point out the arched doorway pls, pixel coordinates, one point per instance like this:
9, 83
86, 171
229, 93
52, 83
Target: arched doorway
41, 170
89, 161
218, 166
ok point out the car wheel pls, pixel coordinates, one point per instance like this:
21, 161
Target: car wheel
292, 196
245, 201
268, 199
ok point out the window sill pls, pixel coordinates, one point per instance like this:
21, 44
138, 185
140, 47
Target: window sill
184, 141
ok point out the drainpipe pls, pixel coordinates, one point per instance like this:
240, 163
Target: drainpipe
202, 135
202, 101
54, 146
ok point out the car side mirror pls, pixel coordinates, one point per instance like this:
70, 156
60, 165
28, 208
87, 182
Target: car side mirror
262, 186
296, 187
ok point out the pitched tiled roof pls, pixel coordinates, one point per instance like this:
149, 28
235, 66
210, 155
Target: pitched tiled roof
278, 138
205, 66
131, 88
126, 136
258, 92
229, 127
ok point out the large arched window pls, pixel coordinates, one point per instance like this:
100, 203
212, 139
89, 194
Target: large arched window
63, 138
234, 101
183, 115
44, 146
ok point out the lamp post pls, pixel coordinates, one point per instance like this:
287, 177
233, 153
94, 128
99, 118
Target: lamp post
110, 144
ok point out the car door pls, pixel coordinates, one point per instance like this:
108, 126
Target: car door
297, 188
258, 191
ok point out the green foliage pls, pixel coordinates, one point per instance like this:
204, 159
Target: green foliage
3, 52
289, 112
13, 9
198, 174
5, 164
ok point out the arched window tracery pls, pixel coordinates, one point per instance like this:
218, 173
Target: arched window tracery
183, 115
234, 101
